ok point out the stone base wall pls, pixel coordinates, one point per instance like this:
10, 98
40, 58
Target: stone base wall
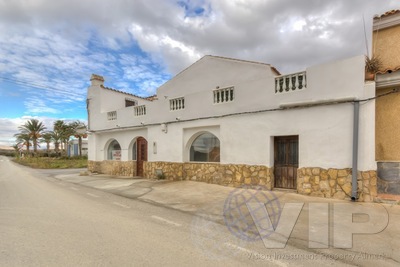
233, 175
336, 183
171, 170
113, 167
328, 183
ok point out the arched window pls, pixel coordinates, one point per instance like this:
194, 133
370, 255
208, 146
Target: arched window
134, 151
114, 151
205, 148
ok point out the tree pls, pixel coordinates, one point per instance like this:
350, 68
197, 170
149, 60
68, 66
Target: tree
59, 127
47, 138
24, 140
79, 131
34, 128
64, 131
56, 136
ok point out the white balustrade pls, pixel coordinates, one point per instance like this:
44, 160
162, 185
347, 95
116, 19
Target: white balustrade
112, 115
224, 95
140, 110
291, 82
177, 103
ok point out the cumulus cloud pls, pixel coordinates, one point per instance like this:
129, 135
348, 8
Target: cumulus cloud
67, 40
50, 48
9, 127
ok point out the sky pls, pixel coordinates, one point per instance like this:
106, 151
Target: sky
49, 49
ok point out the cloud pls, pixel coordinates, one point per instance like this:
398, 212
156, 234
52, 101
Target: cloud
9, 127
49, 49
37, 106
68, 40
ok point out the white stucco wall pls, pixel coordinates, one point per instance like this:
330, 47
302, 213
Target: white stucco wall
254, 90
325, 132
325, 137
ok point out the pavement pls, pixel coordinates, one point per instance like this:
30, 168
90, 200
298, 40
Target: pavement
208, 201
188, 196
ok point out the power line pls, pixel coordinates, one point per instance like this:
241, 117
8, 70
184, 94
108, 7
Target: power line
35, 85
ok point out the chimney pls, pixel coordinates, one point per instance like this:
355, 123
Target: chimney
96, 80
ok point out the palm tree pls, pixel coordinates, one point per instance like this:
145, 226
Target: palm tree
79, 131
47, 138
59, 127
65, 131
56, 136
34, 128
24, 140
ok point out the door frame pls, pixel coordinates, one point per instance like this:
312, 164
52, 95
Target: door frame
285, 173
141, 155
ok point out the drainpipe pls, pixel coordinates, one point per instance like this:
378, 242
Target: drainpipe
356, 119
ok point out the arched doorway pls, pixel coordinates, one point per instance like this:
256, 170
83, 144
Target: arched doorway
141, 155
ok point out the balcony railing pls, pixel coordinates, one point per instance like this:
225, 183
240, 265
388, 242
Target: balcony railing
112, 115
177, 103
140, 110
291, 82
224, 95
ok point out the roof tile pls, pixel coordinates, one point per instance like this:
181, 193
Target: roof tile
149, 98
389, 70
388, 13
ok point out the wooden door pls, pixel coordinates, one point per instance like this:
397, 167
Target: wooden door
141, 156
286, 161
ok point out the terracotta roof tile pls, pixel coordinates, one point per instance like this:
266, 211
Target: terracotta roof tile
149, 98
389, 70
388, 13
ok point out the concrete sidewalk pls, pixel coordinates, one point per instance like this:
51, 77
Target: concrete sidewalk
208, 200
187, 196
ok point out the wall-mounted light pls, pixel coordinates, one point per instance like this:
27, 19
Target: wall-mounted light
164, 128
154, 147
178, 118
142, 123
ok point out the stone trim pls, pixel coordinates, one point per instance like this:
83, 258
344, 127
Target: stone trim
233, 175
113, 167
172, 170
336, 183
319, 182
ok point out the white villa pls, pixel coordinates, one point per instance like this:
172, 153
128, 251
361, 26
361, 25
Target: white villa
235, 122
73, 148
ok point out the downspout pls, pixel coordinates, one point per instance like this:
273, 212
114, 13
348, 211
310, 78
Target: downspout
354, 172
88, 112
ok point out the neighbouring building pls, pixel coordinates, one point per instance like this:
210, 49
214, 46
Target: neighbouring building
235, 122
73, 148
386, 46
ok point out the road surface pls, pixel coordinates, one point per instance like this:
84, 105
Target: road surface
46, 222
49, 222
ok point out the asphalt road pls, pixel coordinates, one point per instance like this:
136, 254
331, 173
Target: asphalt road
44, 222
51, 222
